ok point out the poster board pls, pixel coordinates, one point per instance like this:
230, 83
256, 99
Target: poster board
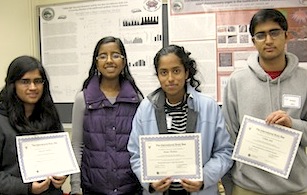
216, 32
70, 31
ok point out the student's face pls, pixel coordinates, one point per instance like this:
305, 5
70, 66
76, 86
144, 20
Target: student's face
111, 65
172, 77
29, 88
270, 48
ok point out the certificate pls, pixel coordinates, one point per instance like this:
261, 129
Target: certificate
176, 155
268, 147
44, 155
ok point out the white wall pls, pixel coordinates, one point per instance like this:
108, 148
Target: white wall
19, 35
16, 33
19, 30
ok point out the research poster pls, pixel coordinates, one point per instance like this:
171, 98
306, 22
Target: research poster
216, 32
69, 33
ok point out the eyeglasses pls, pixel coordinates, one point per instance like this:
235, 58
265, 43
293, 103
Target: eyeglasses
274, 34
114, 56
27, 82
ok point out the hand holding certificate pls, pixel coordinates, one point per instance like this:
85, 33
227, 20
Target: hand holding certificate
45, 155
269, 147
178, 156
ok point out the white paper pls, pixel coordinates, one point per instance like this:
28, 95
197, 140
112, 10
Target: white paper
268, 147
176, 155
44, 155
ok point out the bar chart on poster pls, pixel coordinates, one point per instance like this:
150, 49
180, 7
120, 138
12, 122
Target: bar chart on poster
69, 33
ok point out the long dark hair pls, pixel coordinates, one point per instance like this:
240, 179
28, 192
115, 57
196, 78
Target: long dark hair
44, 116
126, 73
184, 56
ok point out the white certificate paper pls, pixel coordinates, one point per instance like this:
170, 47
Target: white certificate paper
176, 155
268, 147
44, 155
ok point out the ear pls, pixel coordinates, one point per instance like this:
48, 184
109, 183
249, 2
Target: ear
287, 36
124, 66
253, 41
96, 70
186, 74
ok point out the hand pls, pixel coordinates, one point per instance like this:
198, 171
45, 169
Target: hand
279, 117
191, 186
58, 181
162, 185
40, 187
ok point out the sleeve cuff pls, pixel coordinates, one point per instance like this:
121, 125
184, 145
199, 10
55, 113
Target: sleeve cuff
30, 188
150, 189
